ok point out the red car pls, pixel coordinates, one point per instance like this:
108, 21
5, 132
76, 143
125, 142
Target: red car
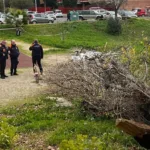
140, 12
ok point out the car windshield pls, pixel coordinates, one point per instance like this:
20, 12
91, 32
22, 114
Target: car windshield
129, 12
50, 12
57, 11
112, 12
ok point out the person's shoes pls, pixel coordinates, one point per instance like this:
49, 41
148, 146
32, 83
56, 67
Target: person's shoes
5, 76
2, 77
15, 74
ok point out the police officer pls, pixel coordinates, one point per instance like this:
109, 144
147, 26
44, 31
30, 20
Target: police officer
37, 54
14, 54
3, 57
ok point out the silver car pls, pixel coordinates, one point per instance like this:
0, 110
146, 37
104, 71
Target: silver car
40, 18
2, 18
111, 14
89, 14
50, 14
127, 14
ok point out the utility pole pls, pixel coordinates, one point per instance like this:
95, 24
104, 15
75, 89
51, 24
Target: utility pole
35, 5
4, 6
45, 5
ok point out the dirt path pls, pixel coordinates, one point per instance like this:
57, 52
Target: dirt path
23, 85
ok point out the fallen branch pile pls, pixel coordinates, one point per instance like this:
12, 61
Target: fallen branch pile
105, 86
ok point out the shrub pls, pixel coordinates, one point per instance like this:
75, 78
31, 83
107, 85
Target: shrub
83, 142
7, 134
114, 26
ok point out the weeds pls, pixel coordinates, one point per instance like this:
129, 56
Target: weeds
62, 123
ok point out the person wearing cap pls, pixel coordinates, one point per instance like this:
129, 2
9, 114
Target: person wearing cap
3, 58
14, 54
37, 54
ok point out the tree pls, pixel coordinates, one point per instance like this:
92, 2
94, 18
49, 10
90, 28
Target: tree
21, 4
50, 3
70, 3
1, 6
115, 4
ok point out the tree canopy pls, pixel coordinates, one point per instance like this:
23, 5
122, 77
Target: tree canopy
21, 4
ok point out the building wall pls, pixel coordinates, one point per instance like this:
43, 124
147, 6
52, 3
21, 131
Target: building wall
136, 4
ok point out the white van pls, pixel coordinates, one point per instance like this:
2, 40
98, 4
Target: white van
2, 18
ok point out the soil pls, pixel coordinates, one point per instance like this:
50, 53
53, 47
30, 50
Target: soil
24, 85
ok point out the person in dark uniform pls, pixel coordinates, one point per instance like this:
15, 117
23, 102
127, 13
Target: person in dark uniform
3, 58
68, 16
14, 54
37, 55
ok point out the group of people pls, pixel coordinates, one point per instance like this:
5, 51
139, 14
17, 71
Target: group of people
12, 51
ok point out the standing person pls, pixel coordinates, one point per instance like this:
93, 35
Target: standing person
68, 16
14, 54
3, 58
37, 55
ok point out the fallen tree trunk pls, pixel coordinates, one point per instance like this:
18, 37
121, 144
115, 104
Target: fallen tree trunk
140, 131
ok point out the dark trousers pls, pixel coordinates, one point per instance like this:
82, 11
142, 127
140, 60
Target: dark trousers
2, 67
14, 64
37, 60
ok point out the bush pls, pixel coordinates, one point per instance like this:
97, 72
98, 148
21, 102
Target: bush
12, 17
7, 134
83, 142
114, 26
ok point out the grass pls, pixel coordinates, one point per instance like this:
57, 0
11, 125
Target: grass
81, 34
42, 116
62, 123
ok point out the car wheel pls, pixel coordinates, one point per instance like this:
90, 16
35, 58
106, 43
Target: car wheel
50, 21
34, 22
1, 22
99, 18
81, 18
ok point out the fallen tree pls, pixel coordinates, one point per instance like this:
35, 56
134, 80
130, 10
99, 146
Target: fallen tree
105, 85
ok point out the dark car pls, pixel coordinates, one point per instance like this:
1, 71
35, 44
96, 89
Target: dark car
40, 18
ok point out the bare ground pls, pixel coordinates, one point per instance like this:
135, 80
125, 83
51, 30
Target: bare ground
23, 85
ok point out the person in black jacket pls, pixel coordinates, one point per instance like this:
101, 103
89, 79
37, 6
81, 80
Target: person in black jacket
37, 54
14, 54
3, 58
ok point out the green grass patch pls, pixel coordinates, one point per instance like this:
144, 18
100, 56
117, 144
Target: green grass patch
80, 34
63, 123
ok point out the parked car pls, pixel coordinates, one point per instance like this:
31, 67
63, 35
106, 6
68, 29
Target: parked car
111, 14
58, 13
31, 12
127, 14
140, 12
2, 18
89, 14
50, 14
40, 18
101, 11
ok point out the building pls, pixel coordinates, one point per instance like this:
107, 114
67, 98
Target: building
130, 4
136, 4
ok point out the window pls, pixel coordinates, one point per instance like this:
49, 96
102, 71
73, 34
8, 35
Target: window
38, 15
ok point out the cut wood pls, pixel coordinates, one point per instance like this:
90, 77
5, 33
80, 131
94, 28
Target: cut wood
133, 128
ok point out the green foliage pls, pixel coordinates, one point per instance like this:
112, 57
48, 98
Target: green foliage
7, 134
114, 26
81, 34
64, 124
70, 3
82, 142
21, 4
12, 17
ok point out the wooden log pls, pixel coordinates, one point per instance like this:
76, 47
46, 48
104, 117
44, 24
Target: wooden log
133, 128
